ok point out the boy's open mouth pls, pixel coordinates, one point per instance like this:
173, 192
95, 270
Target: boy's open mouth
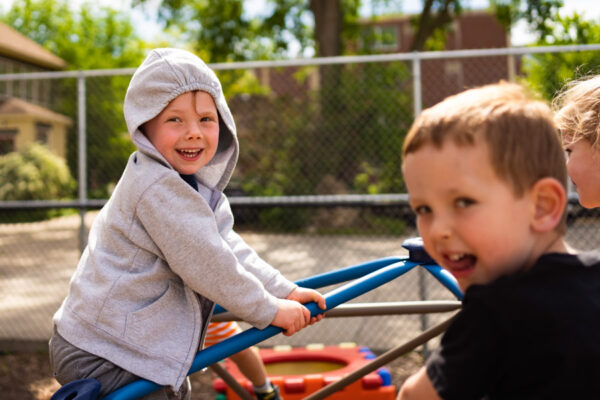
460, 265
189, 154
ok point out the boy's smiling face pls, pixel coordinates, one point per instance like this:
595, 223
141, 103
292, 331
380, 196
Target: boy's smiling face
186, 132
471, 221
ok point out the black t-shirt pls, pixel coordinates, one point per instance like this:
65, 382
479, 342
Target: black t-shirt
532, 335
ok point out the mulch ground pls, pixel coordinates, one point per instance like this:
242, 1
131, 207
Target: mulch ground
27, 376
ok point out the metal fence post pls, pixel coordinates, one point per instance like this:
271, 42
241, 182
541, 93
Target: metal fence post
417, 106
417, 94
82, 157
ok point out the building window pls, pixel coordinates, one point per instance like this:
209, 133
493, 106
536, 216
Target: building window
42, 132
7, 140
387, 38
382, 38
454, 73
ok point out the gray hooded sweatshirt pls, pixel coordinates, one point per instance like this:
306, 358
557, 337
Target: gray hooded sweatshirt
160, 253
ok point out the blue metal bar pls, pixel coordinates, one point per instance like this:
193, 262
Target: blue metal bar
339, 275
347, 274
253, 336
445, 279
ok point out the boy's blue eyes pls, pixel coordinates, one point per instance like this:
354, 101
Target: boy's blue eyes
462, 202
420, 210
177, 119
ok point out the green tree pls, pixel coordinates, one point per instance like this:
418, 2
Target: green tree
223, 32
547, 73
539, 14
87, 38
90, 37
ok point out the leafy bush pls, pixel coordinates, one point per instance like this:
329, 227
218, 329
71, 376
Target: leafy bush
34, 174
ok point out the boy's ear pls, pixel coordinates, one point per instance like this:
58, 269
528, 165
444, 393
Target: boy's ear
549, 200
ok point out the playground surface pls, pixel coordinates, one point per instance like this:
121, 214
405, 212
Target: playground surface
37, 261
27, 376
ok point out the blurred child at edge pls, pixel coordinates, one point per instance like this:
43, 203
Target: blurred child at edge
577, 115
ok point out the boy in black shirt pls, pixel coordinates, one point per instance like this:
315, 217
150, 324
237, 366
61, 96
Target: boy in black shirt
486, 176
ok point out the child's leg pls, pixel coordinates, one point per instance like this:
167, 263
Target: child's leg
248, 360
250, 364
70, 363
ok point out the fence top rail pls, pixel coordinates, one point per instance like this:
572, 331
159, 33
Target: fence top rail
347, 200
428, 55
326, 200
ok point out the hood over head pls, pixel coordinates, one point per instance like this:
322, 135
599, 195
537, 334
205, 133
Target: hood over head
165, 74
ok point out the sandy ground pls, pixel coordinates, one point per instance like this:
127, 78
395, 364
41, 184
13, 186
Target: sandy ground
38, 259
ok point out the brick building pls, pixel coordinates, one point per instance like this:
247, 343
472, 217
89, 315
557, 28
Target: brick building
441, 78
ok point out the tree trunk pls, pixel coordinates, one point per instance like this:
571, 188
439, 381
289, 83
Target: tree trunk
430, 20
328, 26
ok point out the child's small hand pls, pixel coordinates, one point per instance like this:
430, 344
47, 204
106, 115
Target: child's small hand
291, 316
304, 295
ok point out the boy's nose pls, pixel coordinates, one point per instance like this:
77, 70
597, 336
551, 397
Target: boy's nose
441, 228
194, 131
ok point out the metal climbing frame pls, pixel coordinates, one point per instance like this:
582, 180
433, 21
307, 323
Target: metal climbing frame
364, 278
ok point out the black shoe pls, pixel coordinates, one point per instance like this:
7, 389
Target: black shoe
272, 394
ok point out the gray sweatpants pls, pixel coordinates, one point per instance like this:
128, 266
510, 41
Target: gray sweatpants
70, 363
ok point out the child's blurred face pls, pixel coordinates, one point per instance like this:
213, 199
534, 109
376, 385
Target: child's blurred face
186, 132
470, 220
583, 167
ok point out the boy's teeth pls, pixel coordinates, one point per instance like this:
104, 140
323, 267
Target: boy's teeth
456, 257
189, 153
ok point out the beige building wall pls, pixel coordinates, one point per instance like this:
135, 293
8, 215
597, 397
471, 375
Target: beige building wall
24, 104
27, 126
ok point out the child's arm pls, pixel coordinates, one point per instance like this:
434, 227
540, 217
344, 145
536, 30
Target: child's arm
418, 387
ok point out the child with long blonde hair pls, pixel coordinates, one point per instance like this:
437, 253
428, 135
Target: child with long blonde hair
577, 116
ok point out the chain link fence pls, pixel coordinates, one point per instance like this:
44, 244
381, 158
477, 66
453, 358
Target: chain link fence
318, 184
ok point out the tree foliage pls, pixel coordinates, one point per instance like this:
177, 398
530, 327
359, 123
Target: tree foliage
222, 31
437, 16
87, 38
292, 143
90, 37
547, 73
539, 14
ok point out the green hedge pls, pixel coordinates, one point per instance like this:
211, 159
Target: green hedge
33, 174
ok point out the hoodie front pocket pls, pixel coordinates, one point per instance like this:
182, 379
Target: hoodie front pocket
165, 327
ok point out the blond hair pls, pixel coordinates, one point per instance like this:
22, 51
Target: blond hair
577, 108
518, 130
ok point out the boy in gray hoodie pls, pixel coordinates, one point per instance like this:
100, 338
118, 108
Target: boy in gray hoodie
163, 250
